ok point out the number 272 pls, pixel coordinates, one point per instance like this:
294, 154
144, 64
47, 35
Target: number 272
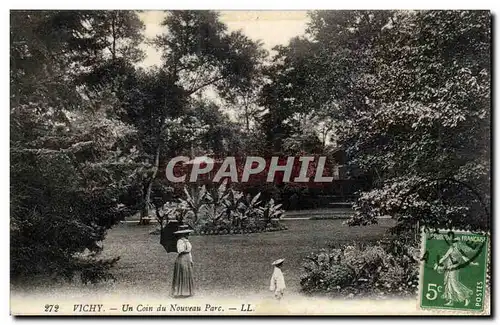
51, 308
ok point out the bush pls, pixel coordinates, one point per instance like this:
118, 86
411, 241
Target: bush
52, 223
368, 269
222, 210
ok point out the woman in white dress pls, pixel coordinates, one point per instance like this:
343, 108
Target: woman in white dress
183, 284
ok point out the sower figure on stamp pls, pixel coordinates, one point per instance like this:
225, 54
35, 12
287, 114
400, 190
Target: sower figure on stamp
454, 290
183, 284
277, 280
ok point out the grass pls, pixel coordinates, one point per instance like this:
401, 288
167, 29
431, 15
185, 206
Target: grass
235, 264
225, 265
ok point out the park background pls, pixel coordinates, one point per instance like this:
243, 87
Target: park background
449, 138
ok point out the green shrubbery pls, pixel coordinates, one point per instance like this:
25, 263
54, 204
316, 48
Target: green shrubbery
379, 268
222, 210
426, 157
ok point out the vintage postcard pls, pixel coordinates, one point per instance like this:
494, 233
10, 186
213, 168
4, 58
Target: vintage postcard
244, 163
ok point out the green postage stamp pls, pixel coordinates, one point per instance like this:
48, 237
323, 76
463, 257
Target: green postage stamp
453, 270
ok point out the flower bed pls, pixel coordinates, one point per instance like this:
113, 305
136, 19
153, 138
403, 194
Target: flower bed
361, 270
224, 211
207, 230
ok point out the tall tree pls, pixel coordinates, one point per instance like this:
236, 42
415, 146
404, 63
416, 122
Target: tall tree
297, 99
198, 54
412, 105
72, 160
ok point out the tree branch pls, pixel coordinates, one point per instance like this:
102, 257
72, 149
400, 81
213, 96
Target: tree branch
203, 85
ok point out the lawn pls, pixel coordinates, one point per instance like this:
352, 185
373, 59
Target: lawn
237, 265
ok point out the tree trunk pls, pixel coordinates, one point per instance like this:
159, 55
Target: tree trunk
147, 196
113, 30
247, 117
159, 217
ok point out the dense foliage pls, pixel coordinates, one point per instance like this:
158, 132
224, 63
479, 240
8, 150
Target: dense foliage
71, 157
404, 94
223, 210
377, 268
90, 129
409, 95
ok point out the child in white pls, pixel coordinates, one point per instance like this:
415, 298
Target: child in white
277, 280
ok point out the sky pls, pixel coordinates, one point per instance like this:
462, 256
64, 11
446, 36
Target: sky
271, 27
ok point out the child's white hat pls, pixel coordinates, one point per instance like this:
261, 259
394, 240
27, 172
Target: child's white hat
277, 262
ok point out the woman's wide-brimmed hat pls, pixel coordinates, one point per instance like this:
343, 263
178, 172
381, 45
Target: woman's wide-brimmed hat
278, 262
186, 231
183, 229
